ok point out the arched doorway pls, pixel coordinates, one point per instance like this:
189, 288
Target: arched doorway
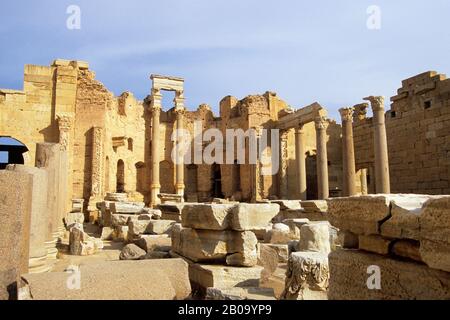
120, 177
216, 181
11, 152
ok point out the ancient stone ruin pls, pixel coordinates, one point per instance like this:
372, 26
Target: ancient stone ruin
97, 194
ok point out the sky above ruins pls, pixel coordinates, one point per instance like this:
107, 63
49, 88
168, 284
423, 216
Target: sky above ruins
333, 52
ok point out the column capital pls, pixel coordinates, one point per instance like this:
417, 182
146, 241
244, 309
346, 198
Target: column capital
300, 129
179, 111
377, 102
346, 114
155, 110
321, 123
284, 134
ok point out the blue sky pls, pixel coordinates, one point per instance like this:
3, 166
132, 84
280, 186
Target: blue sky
305, 51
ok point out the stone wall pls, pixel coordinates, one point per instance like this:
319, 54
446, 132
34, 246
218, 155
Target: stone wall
418, 133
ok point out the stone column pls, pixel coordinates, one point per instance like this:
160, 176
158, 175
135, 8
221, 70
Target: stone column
37, 261
348, 153
364, 189
96, 168
300, 160
48, 157
155, 109
65, 200
283, 164
257, 178
380, 144
179, 171
322, 158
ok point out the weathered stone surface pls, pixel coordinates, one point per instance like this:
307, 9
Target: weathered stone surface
15, 208
73, 217
315, 237
404, 220
307, 276
81, 244
282, 250
131, 252
136, 227
268, 259
348, 240
107, 233
400, 280
232, 247
77, 205
159, 226
156, 255
315, 205
246, 216
121, 197
164, 280
121, 219
360, 215
150, 242
407, 249
171, 211
151, 213
237, 293
126, 207
224, 277
288, 204
435, 254
120, 233
206, 216
375, 244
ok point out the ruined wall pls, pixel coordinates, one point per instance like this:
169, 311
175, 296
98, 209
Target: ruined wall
418, 133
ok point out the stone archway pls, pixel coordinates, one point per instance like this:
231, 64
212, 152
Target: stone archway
11, 151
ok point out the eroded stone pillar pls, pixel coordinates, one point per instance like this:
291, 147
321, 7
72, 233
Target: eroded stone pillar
179, 170
48, 158
283, 164
155, 109
65, 124
348, 153
37, 261
382, 180
96, 168
300, 160
364, 188
322, 157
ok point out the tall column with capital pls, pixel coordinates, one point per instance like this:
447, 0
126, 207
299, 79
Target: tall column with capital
155, 108
96, 168
300, 160
348, 152
283, 164
64, 190
382, 180
179, 110
322, 157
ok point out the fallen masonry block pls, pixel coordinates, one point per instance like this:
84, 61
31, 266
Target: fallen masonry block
150, 242
131, 252
159, 226
126, 207
237, 293
145, 280
315, 237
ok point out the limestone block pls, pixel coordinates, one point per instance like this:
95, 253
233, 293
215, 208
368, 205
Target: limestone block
164, 280
315, 206
159, 226
236, 293
15, 219
405, 214
121, 197
126, 207
282, 251
224, 277
435, 219
360, 215
288, 204
206, 216
232, 247
107, 233
400, 280
246, 216
307, 276
131, 252
268, 259
315, 237
375, 244
407, 249
72, 218
77, 205
157, 255
120, 233
348, 240
79, 243
435, 254
152, 213
150, 242
171, 211
136, 227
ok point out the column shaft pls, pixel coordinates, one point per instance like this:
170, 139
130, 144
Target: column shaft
179, 187
300, 160
348, 153
155, 185
322, 158
283, 165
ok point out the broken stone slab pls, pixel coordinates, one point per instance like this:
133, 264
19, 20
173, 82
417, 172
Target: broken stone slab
72, 218
156, 255
239, 217
409, 249
233, 247
152, 213
171, 211
375, 244
435, 254
120, 233
307, 276
399, 280
435, 219
136, 227
159, 226
165, 279
280, 234
315, 237
236, 293
405, 215
360, 215
126, 207
268, 259
121, 219
120, 197
315, 206
131, 252
151, 242
81, 244
224, 277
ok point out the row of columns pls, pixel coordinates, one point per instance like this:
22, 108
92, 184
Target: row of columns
155, 109
380, 150
321, 125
